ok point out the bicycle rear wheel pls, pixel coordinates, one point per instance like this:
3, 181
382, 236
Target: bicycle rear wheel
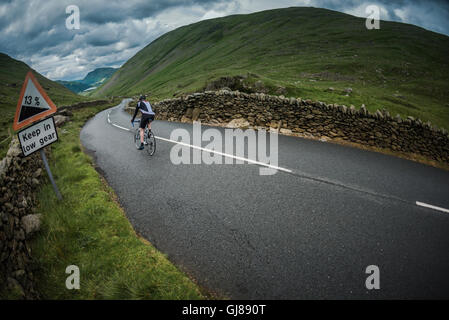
151, 147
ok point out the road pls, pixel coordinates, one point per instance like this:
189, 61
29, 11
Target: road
305, 233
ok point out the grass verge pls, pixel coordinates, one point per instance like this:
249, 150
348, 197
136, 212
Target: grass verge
89, 229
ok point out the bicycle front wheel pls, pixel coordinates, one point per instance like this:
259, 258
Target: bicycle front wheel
137, 138
151, 147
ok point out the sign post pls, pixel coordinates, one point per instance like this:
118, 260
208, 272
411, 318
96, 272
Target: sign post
47, 167
34, 105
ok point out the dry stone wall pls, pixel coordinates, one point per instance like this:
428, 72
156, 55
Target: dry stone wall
84, 104
19, 179
317, 119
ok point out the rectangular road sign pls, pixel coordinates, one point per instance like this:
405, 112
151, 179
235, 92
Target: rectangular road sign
37, 136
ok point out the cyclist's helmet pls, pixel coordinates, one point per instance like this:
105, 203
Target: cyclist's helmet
142, 97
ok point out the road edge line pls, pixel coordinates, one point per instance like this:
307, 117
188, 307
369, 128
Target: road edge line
211, 151
422, 204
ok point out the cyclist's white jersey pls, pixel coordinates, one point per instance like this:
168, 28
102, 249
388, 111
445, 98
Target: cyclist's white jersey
145, 108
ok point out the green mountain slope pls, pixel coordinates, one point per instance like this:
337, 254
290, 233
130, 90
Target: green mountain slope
93, 79
76, 86
12, 75
304, 52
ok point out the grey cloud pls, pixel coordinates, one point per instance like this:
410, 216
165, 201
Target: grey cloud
117, 11
112, 30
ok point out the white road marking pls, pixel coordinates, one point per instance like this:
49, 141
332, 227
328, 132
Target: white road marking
120, 127
422, 204
226, 155
115, 125
258, 163
212, 151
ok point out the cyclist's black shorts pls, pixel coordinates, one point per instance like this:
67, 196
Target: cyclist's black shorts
146, 118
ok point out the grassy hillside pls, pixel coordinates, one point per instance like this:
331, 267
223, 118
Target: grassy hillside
12, 75
98, 75
304, 52
75, 86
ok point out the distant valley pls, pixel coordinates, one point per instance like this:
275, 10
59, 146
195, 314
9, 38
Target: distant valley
93, 80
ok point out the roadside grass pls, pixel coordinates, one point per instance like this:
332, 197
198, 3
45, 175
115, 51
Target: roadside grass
90, 230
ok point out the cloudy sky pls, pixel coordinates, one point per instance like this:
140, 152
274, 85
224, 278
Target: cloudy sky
112, 31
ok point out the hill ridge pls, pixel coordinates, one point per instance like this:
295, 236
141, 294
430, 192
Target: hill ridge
299, 51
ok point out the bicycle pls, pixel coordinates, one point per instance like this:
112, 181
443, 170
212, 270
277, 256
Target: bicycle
148, 138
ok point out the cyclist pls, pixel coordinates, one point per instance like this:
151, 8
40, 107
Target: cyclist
147, 117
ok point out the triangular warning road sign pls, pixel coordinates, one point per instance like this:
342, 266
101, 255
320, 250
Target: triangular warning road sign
34, 104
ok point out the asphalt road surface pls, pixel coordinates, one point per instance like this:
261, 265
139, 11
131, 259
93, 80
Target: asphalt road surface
307, 232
